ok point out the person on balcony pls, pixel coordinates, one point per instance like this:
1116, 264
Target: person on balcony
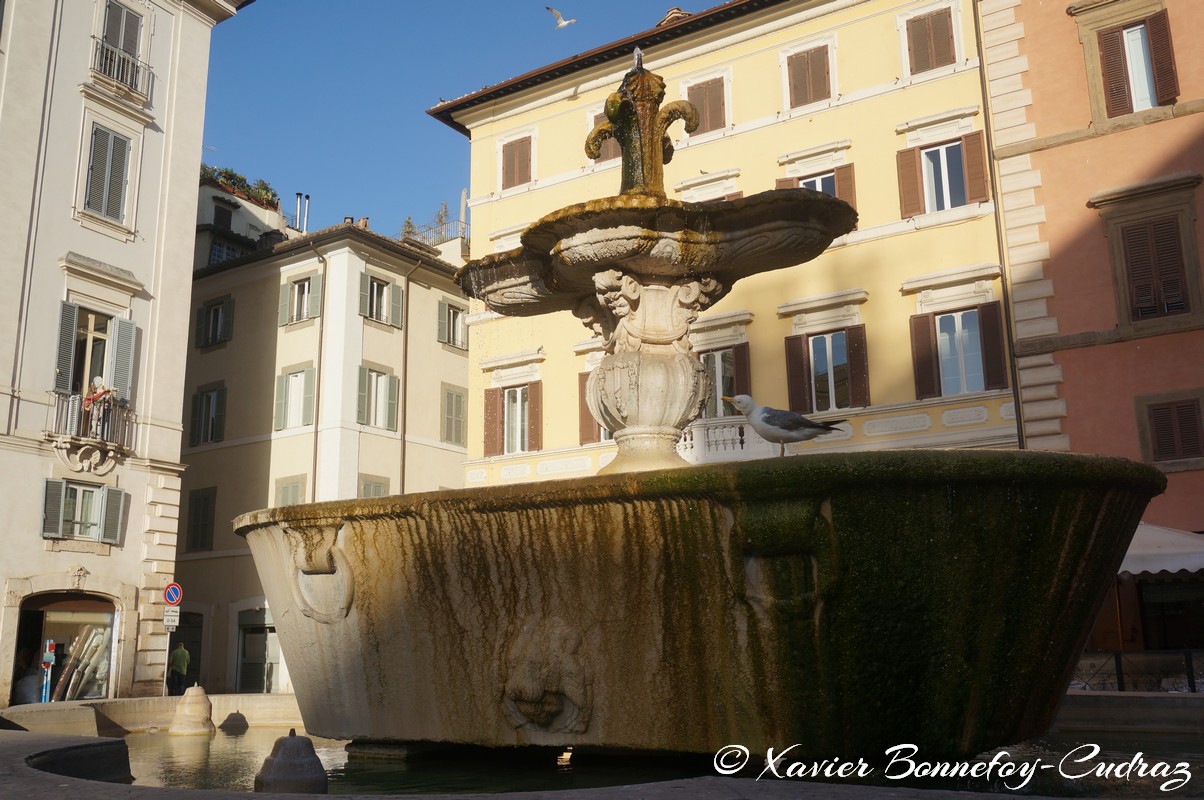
95, 402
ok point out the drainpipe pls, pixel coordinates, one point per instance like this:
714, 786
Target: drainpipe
403, 425
324, 271
1000, 233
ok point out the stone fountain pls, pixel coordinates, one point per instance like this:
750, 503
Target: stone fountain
846, 603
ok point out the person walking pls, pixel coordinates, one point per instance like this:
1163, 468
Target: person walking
177, 670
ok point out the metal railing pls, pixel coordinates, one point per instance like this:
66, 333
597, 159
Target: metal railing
437, 233
1140, 671
121, 66
109, 419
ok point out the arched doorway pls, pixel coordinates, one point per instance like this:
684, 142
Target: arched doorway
82, 629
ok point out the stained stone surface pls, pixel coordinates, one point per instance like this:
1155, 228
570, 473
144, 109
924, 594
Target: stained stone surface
843, 602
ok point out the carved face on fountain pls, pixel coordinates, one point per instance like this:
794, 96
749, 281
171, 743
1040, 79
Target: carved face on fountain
638, 269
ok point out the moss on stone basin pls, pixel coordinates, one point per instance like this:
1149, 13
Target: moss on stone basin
844, 602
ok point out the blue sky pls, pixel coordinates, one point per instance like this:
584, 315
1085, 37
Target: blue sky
334, 104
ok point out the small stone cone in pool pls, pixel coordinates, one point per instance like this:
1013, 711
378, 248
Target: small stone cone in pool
193, 715
292, 768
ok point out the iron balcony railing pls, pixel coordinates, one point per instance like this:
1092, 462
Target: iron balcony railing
123, 67
1140, 671
109, 419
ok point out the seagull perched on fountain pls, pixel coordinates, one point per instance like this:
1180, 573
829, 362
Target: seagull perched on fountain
561, 22
776, 425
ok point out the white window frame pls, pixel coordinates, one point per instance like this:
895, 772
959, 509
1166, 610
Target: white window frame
784, 55
826, 340
208, 408
378, 299
71, 526
959, 51
456, 325
712, 362
942, 200
955, 351
515, 419
294, 399
684, 88
1139, 66
377, 410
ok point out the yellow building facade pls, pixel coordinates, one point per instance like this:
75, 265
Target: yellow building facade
900, 327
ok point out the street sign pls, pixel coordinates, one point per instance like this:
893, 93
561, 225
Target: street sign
173, 594
171, 617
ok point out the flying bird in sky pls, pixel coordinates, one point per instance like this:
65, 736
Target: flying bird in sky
561, 22
775, 425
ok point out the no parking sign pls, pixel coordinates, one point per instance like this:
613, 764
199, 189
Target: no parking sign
173, 594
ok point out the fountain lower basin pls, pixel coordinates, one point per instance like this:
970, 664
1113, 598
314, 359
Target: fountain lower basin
843, 602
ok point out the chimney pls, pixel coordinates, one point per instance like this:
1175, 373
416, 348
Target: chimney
348, 220
362, 224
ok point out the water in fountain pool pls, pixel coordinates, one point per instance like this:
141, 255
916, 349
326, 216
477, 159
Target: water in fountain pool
229, 762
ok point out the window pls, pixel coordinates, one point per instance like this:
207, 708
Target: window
729, 371
610, 146
290, 491
453, 431
957, 352
85, 511
943, 176
1175, 430
707, 97
930, 42
380, 300
294, 398
220, 251
1138, 65
516, 162
215, 322
201, 514
808, 76
117, 51
108, 161
838, 182
1150, 232
94, 345
208, 416
514, 419
453, 329
373, 486
590, 430
223, 217
300, 299
377, 404
827, 371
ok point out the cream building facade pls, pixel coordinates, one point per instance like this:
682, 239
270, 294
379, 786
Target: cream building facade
101, 117
901, 327
327, 366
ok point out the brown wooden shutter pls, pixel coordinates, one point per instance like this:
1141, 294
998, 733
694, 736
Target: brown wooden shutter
516, 162
1169, 266
707, 97
808, 76
1175, 430
940, 27
494, 419
610, 147
1139, 259
859, 366
919, 45
911, 183
1162, 56
924, 356
586, 424
994, 346
1117, 98
798, 375
1153, 254
974, 157
930, 42
740, 365
846, 188
534, 416
786, 183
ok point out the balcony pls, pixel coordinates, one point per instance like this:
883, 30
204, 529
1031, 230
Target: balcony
123, 68
86, 440
708, 441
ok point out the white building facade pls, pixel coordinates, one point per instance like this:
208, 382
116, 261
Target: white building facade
101, 119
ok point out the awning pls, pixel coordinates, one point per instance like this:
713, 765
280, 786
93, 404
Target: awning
1157, 549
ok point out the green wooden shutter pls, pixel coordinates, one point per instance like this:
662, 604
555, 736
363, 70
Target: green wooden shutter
98, 164
219, 415
227, 331
391, 410
396, 301
365, 292
315, 296
361, 406
911, 183
285, 290
119, 158
52, 508
114, 506
307, 402
281, 402
925, 359
194, 424
199, 336
121, 358
798, 375
443, 332
64, 362
1162, 57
